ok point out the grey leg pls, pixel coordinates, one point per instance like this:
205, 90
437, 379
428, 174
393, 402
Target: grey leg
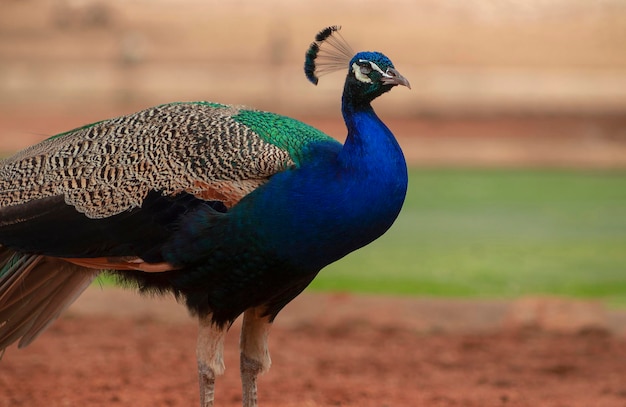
210, 354
255, 356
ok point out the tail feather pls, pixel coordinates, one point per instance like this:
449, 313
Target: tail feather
34, 291
14, 270
23, 319
73, 286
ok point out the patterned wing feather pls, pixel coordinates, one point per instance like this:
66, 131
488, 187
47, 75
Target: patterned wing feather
111, 166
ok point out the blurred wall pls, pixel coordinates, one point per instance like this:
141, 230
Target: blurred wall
481, 56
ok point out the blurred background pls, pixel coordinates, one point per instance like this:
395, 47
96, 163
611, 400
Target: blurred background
515, 129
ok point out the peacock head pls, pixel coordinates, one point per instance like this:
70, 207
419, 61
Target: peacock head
373, 74
370, 74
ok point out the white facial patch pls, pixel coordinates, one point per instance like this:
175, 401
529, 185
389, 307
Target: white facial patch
360, 75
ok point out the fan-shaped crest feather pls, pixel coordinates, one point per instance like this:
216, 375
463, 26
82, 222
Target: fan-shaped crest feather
328, 53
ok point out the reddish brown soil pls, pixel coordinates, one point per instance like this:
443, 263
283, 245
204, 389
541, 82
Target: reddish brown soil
114, 348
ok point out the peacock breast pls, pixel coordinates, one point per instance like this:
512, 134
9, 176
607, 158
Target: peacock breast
315, 214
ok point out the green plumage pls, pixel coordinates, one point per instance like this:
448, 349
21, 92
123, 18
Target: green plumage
284, 132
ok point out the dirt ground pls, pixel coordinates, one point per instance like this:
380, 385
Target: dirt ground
115, 348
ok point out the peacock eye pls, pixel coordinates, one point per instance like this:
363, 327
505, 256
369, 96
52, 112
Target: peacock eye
365, 69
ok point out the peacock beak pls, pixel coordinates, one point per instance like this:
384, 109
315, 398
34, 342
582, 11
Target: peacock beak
393, 77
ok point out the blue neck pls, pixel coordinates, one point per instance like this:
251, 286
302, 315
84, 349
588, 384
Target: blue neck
336, 202
374, 181
370, 145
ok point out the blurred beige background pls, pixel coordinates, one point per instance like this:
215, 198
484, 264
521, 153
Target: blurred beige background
495, 82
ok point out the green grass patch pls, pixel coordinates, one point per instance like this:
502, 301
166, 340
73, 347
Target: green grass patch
498, 233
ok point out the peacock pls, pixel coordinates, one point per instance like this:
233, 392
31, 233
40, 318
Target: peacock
231, 209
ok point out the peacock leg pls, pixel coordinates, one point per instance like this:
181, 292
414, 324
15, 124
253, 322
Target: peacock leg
255, 356
209, 351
